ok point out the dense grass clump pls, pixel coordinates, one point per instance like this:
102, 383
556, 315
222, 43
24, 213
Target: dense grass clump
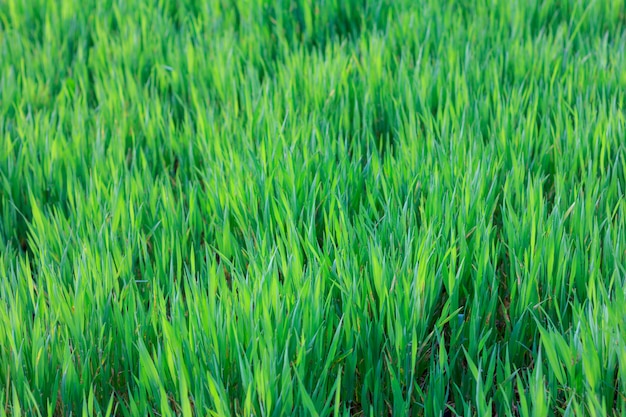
312, 208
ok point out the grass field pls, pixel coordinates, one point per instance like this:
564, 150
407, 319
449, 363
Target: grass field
313, 208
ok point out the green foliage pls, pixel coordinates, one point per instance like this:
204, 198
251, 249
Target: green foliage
317, 208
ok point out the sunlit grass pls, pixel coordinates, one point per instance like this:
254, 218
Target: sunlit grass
332, 208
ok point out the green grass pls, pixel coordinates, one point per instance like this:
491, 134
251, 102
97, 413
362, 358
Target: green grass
312, 208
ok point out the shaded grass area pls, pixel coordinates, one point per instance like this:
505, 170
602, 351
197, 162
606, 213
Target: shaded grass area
327, 208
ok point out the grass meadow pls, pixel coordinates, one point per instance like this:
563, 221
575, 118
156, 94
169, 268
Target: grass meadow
331, 208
